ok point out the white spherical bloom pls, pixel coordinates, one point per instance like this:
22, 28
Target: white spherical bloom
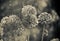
45, 18
12, 26
12, 21
28, 9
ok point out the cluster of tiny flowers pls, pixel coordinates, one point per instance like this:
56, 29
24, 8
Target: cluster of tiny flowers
45, 18
12, 21
29, 16
11, 25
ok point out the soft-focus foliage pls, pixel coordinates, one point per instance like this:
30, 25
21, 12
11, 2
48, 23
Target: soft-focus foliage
11, 7
1, 40
42, 4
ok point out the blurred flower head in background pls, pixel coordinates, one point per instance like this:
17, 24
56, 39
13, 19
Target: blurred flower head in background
55, 39
29, 16
28, 9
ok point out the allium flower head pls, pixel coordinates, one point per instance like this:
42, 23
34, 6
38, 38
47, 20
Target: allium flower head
12, 21
45, 18
12, 26
28, 10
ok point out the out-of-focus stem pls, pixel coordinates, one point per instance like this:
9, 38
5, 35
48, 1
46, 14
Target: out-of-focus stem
43, 32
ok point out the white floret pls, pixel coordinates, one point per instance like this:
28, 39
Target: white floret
45, 17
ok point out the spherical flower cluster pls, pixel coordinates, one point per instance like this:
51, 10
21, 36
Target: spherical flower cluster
11, 22
11, 25
28, 10
45, 18
29, 16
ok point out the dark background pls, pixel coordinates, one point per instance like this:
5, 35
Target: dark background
55, 5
